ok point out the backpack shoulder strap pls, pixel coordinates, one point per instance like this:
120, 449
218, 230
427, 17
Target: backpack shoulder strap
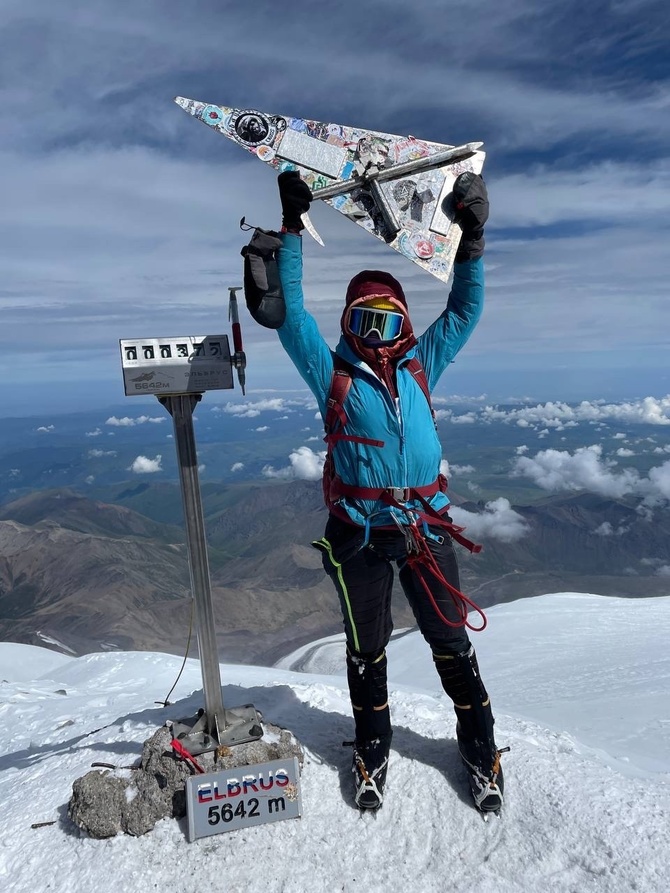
339, 388
419, 374
336, 417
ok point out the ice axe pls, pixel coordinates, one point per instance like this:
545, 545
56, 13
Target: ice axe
239, 357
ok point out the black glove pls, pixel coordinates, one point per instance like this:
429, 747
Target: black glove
471, 211
296, 197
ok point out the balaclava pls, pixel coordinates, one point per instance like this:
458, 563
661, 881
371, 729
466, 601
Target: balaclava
364, 287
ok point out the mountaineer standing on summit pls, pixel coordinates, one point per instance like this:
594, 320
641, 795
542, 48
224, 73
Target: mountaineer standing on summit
382, 484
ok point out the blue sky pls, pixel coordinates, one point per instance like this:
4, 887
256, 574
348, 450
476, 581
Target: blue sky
119, 213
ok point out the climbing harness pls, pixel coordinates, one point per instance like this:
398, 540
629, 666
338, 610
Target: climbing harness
419, 556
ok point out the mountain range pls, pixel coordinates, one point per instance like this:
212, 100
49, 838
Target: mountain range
83, 574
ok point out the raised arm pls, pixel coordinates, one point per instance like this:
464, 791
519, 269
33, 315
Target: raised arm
440, 343
299, 335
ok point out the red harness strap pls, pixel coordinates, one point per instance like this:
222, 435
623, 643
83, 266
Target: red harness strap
379, 492
338, 488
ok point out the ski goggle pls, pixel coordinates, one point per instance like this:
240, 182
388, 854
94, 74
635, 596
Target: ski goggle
371, 322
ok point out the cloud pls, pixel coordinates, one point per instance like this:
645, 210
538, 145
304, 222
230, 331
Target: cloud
96, 454
127, 422
556, 470
543, 196
126, 209
469, 418
456, 399
45, 429
645, 513
647, 411
237, 466
497, 521
606, 529
251, 410
95, 433
461, 469
659, 479
585, 469
144, 465
305, 465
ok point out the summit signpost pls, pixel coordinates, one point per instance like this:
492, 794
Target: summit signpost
166, 366
178, 370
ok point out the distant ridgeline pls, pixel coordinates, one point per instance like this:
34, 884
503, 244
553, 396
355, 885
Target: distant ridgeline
92, 574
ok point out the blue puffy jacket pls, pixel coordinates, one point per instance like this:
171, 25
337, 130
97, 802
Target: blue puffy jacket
412, 452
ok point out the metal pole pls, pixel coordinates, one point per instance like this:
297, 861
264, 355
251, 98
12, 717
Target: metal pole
180, 407
446, 156
168, 367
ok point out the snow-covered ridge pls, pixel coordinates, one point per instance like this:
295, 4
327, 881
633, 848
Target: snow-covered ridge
590, 665
25, 662
580, 688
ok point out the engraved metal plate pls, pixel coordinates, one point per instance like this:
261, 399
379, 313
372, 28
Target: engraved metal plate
189, 364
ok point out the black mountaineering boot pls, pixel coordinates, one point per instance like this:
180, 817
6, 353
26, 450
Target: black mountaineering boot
481, 759
369, 767
366, 675
460, 678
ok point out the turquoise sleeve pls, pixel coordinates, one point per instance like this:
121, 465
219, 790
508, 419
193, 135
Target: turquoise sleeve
441, 341
299, 335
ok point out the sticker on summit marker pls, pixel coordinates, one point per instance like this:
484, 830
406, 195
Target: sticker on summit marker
212, 115
253, 128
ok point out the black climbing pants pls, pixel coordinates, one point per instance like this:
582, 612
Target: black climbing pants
363, 578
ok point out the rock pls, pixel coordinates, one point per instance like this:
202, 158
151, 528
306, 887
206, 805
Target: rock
97, 803
107, 803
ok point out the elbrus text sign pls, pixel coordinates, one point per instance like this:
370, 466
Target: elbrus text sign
242, 796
